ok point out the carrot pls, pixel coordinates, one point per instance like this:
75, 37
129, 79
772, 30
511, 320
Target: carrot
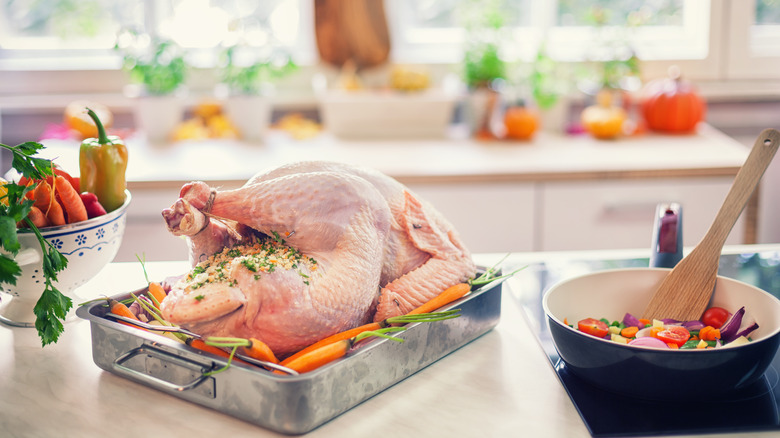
333, 339
55, 214
330, 352
71, 200
157, 293
629, 332
447, 296
645, 322
320, 356
260, 350
374, 326
673, 346
200, 344
709, 333
43, 196
119, 308
37, 217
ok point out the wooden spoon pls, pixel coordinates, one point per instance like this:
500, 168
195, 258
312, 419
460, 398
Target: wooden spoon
686, 290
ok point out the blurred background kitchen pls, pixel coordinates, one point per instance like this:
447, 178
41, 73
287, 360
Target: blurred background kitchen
534, 126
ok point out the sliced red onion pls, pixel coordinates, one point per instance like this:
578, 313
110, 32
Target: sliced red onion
645, 332
648, 341
669, 321
729, 329
630, 320
748, 328
693, 325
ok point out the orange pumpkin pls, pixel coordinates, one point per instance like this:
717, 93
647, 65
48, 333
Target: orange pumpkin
603, 120
520, 122
672, 105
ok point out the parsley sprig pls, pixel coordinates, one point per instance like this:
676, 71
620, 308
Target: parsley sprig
52, 307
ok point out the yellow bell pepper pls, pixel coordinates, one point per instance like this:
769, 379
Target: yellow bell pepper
103, 163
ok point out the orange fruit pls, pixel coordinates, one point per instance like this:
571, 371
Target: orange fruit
77, 119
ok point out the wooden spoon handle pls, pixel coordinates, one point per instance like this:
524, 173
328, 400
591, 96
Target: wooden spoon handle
745, 182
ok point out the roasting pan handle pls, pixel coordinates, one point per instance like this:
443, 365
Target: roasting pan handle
191, 373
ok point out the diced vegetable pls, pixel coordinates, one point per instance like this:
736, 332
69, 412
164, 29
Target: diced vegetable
593, 327
632, 321
715, 317
669, 333
677, 335
648, 341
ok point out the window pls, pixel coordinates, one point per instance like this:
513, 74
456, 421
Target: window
754, 52
709, 39
71, 33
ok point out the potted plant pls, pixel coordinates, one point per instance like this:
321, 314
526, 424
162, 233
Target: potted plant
483, 67
158, 67
548, 82
248, 77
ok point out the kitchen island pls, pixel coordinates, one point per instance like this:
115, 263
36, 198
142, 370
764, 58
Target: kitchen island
501, 384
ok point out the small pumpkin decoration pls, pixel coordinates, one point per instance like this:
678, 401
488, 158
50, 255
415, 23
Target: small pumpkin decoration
521, 122
603, 120
672, 105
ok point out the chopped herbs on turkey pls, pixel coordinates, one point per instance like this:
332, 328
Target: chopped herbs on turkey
262, 256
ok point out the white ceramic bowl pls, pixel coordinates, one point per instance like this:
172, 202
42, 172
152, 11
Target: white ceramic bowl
657, 373
387, 114
89, 246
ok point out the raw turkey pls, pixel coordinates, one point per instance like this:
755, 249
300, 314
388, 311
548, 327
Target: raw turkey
367, 249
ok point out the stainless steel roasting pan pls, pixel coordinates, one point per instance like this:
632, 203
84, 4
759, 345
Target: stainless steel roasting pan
285, 403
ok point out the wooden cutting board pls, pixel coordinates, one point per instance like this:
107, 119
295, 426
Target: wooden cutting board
351, 30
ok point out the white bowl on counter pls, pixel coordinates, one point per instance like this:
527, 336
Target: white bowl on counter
88, 245
387, 114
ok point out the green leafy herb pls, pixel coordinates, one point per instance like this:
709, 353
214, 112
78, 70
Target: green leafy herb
52, 307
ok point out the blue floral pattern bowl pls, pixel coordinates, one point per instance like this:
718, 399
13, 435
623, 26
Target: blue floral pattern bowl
89, 246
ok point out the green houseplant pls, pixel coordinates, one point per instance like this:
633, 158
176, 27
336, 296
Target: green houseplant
483, 67
248, 78
159, 69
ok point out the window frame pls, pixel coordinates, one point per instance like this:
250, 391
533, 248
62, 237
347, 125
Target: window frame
728, 35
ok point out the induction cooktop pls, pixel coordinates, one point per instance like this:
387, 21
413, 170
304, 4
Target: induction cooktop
756, 408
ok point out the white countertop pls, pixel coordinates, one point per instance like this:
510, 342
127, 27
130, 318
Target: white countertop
499, 385
548, 157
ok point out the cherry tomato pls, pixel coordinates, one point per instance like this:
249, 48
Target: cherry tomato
593, 327
674, 335
715, 316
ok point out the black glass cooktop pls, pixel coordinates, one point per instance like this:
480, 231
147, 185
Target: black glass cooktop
756, 408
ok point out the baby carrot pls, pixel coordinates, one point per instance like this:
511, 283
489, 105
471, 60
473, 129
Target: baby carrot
447, 296
332, 339
119, 308
330, 352
157, 293
259, 350
199, 344
71, 200
373, 326
319, 357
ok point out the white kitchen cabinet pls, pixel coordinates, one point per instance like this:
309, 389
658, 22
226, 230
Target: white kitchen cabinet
490, 217
619, 213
